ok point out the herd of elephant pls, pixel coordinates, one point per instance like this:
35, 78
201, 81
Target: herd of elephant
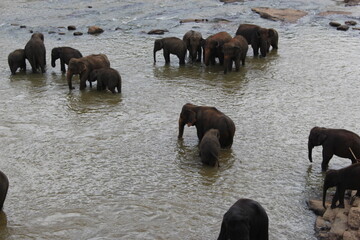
246, 219
222, 45
95, 67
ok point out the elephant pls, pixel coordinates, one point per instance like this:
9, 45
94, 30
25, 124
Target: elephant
16, 59
273, 40
4, 186
246, 219
205, 118
106, 78
65, 54
193, 41
257, 36
83, 66
171, 45
343, 179
341, 142
213, 46
235, 50
35, 52
210, 147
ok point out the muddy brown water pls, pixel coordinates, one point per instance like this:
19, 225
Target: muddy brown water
93, 165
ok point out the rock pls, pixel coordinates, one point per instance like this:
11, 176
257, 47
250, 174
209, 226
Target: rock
343, 28
350, 235
354, 218
334, 24
285, 15
95, 30
158, 31
334, 13
62, 33
51, 32
322, 225
351, 2
316, 206
71, 28
356, 28
78, 33
339, 226
351, 22
193, 20
231, 1
22, 26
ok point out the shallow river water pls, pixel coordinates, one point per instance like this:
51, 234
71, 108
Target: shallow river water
93, 165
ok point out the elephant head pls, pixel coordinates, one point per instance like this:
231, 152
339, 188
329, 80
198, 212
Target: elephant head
264, 36
209, 47
38, 35
76, 66
55, 54
158, 45
316, 138
331, 180
187, 116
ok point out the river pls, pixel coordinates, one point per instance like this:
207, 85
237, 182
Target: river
94, 165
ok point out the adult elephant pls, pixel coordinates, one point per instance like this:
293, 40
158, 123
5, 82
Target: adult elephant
35, 52
257, 36
343, 179
4, 186
171, 45
65, 54
193, 41
84, 66
235, 51
16, 59
107, 78
205, 118
246, 219
339, 142
213, 47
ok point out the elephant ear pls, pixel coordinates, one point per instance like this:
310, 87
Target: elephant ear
322, 137
82, 66
271, 32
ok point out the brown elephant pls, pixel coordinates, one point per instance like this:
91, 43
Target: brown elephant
235, 51
4, 186
193, 41
210, 147
171, 45
35, 52
213, 46
257, 36
204, 118
341, 142
65, 54
16, 59
107, 78
343, 179
84, 66
273, 40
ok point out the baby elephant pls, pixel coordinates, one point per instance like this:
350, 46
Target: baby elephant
16, 59
343, 179
171, 45
210, 147
235, 51
106, 78
65, 54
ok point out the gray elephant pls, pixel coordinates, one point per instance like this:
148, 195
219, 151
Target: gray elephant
193, 41
213, 47
257, 36
84, 66
4, 186
171, 45
339, 142
210, 147
107, 78
35, 52
16, 59
65, 54
235, 51
273, 40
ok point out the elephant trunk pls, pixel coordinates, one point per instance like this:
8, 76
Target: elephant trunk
324, 195
227, 62
181, 128
207, 53
154, 55
69, 78
310, 147
53, 62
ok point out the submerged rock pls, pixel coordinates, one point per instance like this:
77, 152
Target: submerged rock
334, 24
78, 33
352, 2
343, 28
95, 30
71, 28
351, 22
334, 13
285, 15
157, 31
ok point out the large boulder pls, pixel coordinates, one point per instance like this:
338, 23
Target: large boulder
285, 15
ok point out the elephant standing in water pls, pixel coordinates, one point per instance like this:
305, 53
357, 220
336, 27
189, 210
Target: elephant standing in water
171, 45
106, 78
65, 54
341, 142
84, 66
16, 59
273, 40
257, 36
4, 186
210, 147
35, 52
246, 219
343, 179
213, 47
204, 118
235, 51
193, 41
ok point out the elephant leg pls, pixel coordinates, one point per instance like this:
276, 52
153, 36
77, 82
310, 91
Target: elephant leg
341, 196
167, 56
62, 64
237, 64
335, 199
198, 55
327, 155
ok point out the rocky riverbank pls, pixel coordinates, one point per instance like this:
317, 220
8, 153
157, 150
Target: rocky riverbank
338, 223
